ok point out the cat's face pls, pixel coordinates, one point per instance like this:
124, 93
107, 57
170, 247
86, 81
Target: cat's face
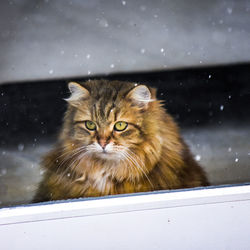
107, 122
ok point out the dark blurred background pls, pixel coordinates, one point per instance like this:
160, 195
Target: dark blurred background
195, 97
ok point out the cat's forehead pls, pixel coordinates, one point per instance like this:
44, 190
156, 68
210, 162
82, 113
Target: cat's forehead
107, 109
107, 98
107, 102
104, 96
108, 91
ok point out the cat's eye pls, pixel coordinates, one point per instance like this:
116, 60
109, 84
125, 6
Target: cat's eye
90, 125
120, 126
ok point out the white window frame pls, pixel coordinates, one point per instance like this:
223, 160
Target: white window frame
202, 218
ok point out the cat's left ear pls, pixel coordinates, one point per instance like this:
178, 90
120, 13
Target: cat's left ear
140, 95
78, 93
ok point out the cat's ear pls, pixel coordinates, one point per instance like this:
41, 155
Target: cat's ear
78, 93
140, 95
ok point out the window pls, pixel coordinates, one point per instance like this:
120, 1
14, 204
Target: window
195, 53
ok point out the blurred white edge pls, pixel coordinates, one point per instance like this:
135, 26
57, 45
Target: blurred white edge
123, 204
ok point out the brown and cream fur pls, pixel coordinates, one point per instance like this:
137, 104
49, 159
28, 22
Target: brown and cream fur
148, 155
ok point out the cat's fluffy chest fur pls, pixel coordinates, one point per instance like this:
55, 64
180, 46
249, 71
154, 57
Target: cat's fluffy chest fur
116, 138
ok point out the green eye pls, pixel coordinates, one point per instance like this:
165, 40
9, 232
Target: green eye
90, 125
120, 126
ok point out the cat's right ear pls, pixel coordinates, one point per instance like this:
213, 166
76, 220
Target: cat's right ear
78, 93
141, 96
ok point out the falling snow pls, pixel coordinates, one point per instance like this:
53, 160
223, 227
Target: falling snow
20, 147
3, 172
143, 51
229, 10
28, 188
103, 23
41, 172
142, 8
197, 157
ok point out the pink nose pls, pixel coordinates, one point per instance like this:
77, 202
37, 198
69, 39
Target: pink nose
103, 143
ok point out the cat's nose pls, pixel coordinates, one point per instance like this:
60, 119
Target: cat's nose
103, 143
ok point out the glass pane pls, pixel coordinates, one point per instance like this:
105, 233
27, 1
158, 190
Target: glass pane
196, 54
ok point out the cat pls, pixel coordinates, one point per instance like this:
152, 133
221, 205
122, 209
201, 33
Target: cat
116, 138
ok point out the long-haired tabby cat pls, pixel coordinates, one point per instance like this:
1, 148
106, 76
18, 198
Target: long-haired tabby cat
116, 138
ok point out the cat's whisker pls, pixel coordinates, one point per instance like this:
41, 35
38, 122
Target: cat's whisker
82, 152
127, 160
70, 152
135, 165
122, 151
80, 158
131, 152
66, 169
82, 155
142, 166
138, 165
70, 157
72, 165
133, 161
66, 151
